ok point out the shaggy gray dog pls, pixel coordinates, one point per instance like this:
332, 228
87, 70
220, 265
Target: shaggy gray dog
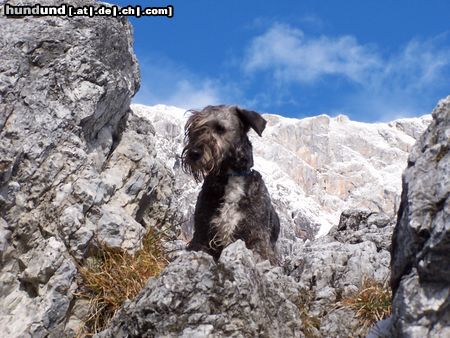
234, 202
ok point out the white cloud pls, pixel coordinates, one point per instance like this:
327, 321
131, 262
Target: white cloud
396, 84
294, 57
167, 82
419, 64
404, 82
408, 80
190, 95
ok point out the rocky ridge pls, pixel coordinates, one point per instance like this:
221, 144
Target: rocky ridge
236, 296
198, 297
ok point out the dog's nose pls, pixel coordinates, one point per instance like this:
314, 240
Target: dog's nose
195, 154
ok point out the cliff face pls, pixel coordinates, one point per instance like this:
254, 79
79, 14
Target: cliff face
421, 242
76, 167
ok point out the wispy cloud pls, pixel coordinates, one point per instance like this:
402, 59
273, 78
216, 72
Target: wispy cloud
286, 67
407, 80
189, 94
386, 84
418, 64
168, 82
294, 57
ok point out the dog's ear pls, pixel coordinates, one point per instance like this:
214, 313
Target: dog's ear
252, 119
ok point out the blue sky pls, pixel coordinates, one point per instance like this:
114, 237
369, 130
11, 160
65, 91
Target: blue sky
371, 60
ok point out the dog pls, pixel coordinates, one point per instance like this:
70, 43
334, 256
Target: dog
234, 202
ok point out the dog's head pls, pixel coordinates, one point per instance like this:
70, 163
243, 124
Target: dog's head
216, 140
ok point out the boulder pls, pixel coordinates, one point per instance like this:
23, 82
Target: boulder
334, 267
198, 297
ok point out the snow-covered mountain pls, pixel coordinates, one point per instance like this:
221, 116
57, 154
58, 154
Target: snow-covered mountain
314, 167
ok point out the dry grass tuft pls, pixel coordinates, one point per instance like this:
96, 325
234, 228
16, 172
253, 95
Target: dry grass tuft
310, 323
371, 303
114, 276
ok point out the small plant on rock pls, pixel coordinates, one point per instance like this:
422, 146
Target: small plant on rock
114, 275
372, 302
310, 323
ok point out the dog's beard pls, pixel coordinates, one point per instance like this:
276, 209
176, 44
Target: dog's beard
208, 164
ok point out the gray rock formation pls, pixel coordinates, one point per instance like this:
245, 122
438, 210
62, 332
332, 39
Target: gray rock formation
421, 242
236, 296
76, 167
334, 266
197, 297
357, 226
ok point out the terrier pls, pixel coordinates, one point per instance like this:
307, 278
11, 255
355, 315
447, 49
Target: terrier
234, 202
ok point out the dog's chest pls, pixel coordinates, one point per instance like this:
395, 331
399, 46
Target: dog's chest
228, 215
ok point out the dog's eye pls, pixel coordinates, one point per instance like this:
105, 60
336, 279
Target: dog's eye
219, 128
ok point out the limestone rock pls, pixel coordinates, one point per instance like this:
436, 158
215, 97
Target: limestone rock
421, 242
197, 297
334, 266
359, 225
76, 167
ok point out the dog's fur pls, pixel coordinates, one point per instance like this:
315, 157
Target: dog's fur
234, 202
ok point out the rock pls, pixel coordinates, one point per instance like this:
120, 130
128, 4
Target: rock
356, 226
421, 243
5, 237
381, 329
197, 297
76, 166
333, 267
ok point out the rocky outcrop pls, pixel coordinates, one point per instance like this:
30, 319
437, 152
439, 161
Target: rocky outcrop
333, 267
197, 297
421, 242
236, 296
76, 167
